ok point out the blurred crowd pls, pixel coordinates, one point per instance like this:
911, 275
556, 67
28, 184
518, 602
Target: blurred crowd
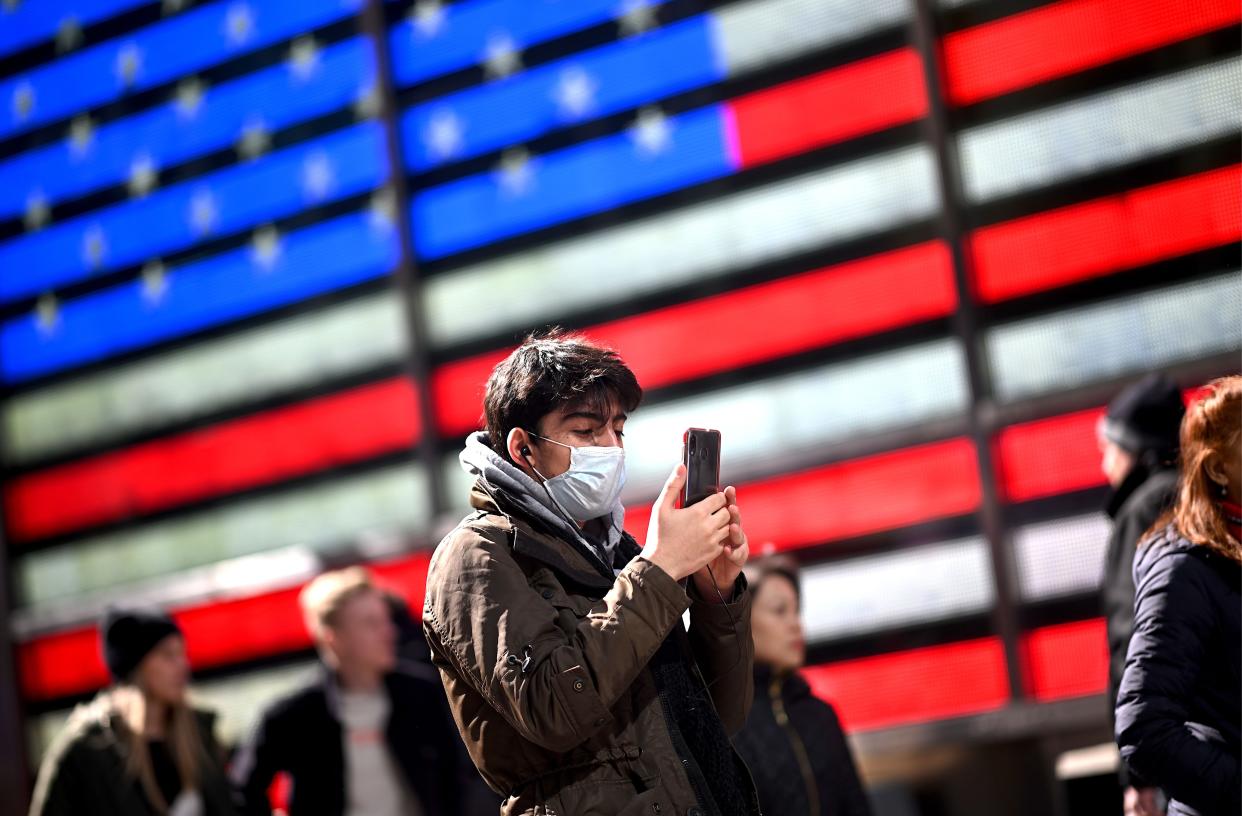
561, 667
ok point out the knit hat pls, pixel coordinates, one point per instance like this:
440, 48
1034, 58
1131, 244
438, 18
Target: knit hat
1146, 416
129, 634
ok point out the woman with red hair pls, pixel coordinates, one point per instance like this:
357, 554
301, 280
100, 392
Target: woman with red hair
1179, 710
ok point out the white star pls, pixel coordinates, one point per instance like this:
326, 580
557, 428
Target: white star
427, 18
128, 63
367, 102
81, 136
255, 139
501, 58
304, 58
188, 98
47, 315
23, 100
10, 6
239, 23
94, 246
154, 283
265, 248
651, 132
172, 6
38, 211
636, 16
443, 135
515, 173
143, 174
575, 92
318, 176
68, 34
204, 212
383, 210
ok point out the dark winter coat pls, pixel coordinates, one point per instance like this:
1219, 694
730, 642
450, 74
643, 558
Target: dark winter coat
1134, 507
1179, 721
301, 735
84, 770
797, 753
578, 692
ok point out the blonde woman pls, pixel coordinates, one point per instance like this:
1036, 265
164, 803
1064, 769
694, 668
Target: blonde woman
138, 748
1179, 709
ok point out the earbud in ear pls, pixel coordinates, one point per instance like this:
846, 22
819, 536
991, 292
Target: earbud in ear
525, 451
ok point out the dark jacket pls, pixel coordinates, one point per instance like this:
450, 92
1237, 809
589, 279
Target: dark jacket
1134, 507
84, 770
301, 735
579, 692
1179, 723
797, 753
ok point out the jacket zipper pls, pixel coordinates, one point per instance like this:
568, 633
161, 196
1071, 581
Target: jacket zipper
804, 762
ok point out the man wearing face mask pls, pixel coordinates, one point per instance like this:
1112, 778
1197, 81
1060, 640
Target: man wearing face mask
558, 637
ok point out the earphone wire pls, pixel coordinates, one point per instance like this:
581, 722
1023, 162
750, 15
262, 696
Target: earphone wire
732, 625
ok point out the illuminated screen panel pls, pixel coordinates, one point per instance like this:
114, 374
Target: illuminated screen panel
742, 327
1106, 130
197, 121
882, 492
773, 420
185, 384
156, 54
214, 461
311, 173
1049, 456
901, 688
325, 517
912, 586
1126, 335
1105, 235
25, 24
697, 243
217, 634
274, 271
1061, 557
1066, 661
1031, 47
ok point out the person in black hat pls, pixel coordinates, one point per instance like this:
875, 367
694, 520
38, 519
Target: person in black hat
138, 748
1138, 438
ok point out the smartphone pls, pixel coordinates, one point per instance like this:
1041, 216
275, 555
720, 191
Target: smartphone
700, 453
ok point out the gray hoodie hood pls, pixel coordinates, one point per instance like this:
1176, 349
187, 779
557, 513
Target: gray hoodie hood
479, 459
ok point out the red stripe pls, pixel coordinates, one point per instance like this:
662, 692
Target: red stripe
217, 634
1067, 37
853, 498
832, 106
257, 450
746, 326
914, 686
1069, 660
1108, 234
1049, 456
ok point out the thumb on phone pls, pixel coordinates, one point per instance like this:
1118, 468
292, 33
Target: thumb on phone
669, 494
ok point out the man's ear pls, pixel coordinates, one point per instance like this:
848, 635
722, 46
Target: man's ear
518, 447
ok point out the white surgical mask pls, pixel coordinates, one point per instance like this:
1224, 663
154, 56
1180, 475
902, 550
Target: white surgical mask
593, 483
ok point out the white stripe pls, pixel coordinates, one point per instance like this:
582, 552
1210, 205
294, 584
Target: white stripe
1062, 557
756, 34
697, 243
875, 592
1122, 336
371, 511
181, 385
1102, 131
776, 421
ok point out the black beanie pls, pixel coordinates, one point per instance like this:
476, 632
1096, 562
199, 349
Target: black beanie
129, 635
1147, 417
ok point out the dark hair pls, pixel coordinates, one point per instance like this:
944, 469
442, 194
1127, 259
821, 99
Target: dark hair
762, 569
550, 371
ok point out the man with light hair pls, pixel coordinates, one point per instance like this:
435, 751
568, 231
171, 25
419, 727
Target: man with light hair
364, 737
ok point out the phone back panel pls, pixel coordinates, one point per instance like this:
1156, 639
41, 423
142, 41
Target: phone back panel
700, 453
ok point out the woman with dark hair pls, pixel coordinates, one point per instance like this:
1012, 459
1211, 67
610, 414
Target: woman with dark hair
138, 748
792, 741
1179, 721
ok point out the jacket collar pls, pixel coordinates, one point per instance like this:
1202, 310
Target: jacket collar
792, 685
566, 558
1138, 474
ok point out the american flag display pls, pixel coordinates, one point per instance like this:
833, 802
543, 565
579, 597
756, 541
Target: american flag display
258, 257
